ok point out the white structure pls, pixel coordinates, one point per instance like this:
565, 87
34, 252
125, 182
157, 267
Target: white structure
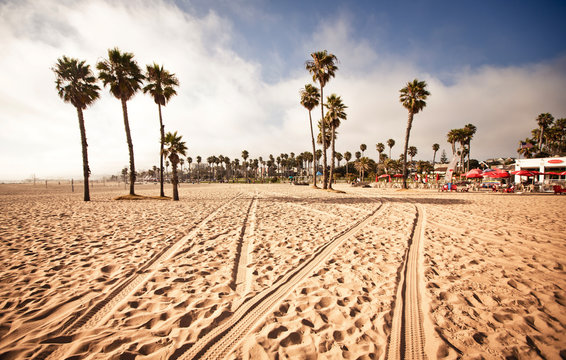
553, 164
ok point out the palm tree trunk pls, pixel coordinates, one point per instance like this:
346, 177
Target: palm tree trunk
541, 137
314, 152
162, 128
332, 157
468, 163
86, 170
323, 128
130, 147
409, 125
175, 181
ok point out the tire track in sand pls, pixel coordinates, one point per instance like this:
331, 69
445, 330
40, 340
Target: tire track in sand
222, 340
407, 339
242, 274
103, 310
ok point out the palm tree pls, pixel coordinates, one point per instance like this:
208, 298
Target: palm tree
310, 99
199, 160
470, 131
412, 152
363, 148
173, 148
347, 157
390, 144
339, 158
322, 67
189, 161
336, 112
124, 77
160, 86
435, 148
362, 165
413, 98
544, 121
245, 155
76, 84
380, 148
358, 155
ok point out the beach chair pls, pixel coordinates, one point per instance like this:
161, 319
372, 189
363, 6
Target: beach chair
558, 189
509, 189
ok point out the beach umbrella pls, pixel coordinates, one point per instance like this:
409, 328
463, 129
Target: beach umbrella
498, 174
562, 173
383, 176
552, 173
473, 174
398, 175
522, 173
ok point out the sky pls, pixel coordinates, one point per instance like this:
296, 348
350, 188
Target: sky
241, 65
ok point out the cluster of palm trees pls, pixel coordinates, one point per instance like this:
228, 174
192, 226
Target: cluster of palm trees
76, 84
548, 139
323, 67
464, 137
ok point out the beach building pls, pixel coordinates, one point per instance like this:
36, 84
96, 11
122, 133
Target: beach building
543, 166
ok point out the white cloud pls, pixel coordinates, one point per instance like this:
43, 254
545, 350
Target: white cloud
223, 104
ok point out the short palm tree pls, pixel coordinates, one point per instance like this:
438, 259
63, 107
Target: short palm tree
76, 84
362, 165
173, 148
363, 148
199, 160
347, 157
245, 155
322, 67
435, 148
412, 152
336, 113
380, 148
124, 77
390, 144
413, 98
310, 99
161, 86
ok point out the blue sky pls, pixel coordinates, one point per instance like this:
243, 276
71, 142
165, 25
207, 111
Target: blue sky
495, 64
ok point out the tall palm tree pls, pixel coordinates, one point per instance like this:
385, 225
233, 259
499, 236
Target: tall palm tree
362, 165
322, 67
435, 148
363, 148
124, 77
173, 148
380, 148
390, 144
310, 99
413, 98
336, 113
347, 157
470, 131
544, 121
245, 155
161, 86
76, 84
199, 160
189, 161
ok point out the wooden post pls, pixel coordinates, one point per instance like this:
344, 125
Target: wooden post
72, 186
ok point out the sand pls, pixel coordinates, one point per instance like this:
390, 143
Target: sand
280, 271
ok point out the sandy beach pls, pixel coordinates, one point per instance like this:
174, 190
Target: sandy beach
279, 271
